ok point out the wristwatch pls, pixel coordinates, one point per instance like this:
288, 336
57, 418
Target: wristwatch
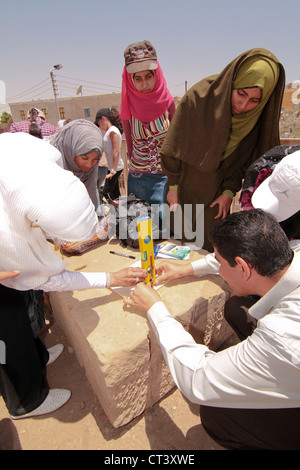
113, 172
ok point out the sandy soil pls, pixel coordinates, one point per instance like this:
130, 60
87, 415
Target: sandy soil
81, 424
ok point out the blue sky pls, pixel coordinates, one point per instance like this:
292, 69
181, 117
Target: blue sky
193, 39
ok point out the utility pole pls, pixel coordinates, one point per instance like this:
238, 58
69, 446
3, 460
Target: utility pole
54, 86
185, 86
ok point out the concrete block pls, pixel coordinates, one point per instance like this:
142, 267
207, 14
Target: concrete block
117, 346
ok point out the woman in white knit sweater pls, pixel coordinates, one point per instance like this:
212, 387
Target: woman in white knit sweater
39, 199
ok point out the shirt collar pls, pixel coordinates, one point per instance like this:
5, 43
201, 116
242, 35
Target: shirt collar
289, 282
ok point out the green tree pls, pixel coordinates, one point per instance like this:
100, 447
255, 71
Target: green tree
5, 117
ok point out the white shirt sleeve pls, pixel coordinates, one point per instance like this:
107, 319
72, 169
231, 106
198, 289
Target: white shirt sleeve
181, 353
237, 377
73, 280
206, 265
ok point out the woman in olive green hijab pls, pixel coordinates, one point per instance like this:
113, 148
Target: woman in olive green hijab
222, 124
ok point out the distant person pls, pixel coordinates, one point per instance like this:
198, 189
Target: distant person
221, 125
61, 123
108, 120
39, 200
81, 146
249, 394
41, 129
147, 107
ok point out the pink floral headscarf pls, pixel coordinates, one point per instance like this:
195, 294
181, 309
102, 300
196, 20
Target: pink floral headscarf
145, 107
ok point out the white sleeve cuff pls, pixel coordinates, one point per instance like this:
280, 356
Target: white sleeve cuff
71, 280
206, 265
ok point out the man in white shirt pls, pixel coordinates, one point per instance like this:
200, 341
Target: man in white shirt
249, 393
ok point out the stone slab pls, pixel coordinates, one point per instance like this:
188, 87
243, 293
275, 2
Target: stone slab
115, 343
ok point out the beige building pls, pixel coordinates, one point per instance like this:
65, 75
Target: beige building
78, 107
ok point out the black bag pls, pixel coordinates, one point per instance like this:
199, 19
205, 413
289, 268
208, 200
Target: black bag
124, 216
261, 169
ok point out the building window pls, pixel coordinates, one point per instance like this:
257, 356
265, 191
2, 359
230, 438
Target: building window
87, 112
62, 113
22, 112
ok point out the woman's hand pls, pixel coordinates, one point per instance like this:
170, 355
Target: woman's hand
8, 274
127, 277
142, 297
168, 270
224, 202
172, 199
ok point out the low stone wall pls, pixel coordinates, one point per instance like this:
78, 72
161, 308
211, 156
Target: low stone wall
116, 344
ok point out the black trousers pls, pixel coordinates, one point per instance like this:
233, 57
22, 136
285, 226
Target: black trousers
22, 382
111, 186
250, 429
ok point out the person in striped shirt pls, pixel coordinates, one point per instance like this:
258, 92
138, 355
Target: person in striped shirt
147, 108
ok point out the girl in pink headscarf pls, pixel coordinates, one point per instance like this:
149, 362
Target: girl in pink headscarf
147, 108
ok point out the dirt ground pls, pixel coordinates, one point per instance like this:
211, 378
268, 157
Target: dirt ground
81, 424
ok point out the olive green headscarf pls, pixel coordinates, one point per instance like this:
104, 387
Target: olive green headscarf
255, 72
202, 127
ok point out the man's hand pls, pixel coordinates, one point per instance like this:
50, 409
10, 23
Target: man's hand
176, 270
142, 297
127, 277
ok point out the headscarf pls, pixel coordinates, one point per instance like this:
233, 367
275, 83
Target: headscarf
34, 112
201, 127
146, 107
255, 72
80, 137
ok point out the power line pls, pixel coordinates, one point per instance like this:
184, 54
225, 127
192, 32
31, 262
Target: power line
87, 81
28, 90
46, 91
41, 90
85, 88
36, 90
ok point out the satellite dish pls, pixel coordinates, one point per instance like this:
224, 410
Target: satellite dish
79, 90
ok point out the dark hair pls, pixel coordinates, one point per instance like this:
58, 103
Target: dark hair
151, 71
254, 236
35, 130
112, 114
115, 119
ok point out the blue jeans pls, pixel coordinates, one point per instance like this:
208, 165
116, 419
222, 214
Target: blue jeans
149, 187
